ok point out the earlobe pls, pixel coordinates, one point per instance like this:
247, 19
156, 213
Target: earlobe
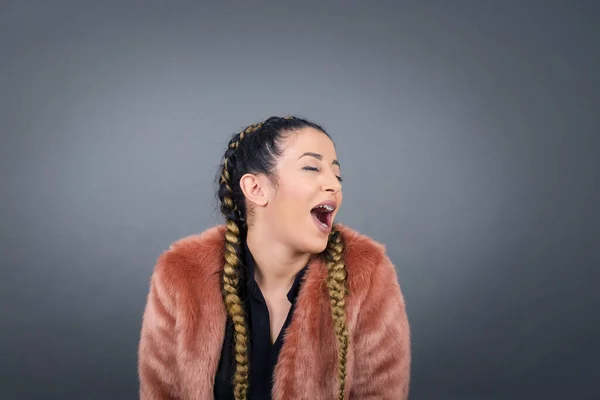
252, 187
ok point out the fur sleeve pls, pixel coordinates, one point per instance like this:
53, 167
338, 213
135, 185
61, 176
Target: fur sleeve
156, 353
382, 342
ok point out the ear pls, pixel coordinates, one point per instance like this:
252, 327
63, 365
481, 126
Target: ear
254, 189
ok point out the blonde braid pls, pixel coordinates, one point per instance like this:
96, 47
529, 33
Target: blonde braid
232, 300
337, 285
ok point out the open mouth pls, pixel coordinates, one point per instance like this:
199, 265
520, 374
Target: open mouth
323, 215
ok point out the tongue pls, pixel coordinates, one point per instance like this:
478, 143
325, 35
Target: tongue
321, 216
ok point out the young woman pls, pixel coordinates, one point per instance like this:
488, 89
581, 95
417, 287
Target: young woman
279, 302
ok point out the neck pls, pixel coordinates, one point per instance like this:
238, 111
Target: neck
276, 263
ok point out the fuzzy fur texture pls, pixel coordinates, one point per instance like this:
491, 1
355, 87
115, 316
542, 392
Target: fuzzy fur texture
184, 324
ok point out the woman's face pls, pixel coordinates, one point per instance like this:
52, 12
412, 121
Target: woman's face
308, 176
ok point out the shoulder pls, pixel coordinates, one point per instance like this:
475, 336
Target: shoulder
191, 258
366, 260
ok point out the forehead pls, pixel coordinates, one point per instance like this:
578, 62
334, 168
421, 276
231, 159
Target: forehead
308, 140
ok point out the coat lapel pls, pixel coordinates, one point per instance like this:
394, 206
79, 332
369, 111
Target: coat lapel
202, 319
309, 352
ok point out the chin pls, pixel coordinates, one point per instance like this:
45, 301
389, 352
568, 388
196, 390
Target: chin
317, 246
311, 246
320, 248
312, 241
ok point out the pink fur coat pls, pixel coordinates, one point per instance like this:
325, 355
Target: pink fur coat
184, 324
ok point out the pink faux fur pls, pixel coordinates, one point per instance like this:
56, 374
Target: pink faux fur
184, 323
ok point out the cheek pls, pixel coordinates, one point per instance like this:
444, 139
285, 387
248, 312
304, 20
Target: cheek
296, 199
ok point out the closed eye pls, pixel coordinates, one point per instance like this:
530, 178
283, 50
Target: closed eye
339, 178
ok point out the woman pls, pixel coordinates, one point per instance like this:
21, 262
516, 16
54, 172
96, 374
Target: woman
279, 302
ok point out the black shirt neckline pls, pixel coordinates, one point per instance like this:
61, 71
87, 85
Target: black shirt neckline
263, 354
254, 289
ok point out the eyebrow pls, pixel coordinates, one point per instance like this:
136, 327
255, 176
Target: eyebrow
318, 157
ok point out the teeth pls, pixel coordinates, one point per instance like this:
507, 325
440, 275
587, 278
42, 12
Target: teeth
326, 208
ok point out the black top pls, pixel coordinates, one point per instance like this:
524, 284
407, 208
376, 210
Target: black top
262, 354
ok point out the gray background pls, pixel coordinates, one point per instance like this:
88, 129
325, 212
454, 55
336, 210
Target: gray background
468, 133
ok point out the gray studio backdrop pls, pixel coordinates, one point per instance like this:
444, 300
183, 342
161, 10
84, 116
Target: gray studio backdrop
468, 133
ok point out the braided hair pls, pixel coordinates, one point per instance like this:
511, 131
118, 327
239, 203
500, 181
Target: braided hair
256, 150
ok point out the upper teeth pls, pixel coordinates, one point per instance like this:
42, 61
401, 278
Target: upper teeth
326, 207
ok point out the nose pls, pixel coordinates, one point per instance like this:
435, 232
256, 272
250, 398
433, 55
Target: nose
332, 183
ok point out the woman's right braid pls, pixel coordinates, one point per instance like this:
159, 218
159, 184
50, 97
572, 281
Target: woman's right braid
230, 209
338, 289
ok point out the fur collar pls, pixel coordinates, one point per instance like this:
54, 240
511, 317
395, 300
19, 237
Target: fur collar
184, 323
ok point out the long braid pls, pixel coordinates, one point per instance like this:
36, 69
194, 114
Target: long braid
233, 303
337, 285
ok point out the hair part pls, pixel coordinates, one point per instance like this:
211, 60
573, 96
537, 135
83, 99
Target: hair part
256, 150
